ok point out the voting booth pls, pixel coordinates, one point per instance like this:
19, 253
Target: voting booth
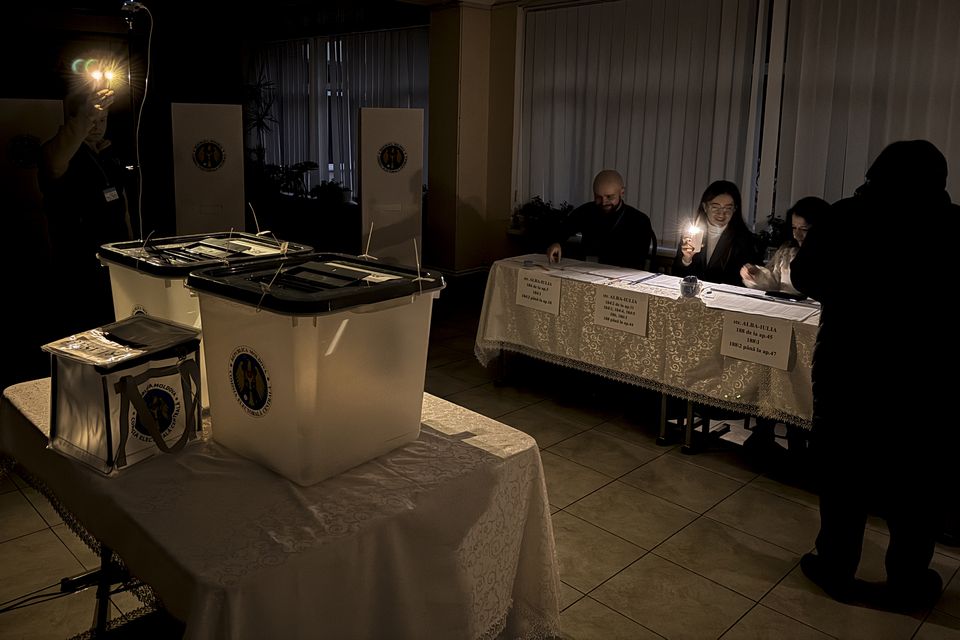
316, 363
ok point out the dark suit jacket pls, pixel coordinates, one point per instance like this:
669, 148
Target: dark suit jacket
621, 238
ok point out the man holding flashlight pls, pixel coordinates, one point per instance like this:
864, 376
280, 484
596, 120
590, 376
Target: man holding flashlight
85, 206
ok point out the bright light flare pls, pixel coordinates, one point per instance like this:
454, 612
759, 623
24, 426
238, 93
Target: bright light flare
101, 72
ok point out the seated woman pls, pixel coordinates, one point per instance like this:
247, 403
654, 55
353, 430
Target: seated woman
727, 244
775, 276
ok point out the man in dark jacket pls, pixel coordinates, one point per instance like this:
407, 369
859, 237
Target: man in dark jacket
611, 231
884, 335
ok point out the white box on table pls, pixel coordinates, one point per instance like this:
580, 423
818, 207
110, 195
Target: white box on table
316, 363
148, 277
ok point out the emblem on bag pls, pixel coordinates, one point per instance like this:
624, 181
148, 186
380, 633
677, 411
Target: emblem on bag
249, 381
164, 405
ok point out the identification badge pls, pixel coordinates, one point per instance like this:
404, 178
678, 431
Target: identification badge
110, 194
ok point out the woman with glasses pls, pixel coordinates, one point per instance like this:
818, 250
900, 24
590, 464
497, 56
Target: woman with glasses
718, 243
776, 275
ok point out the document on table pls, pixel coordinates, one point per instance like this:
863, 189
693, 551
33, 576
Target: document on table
665, 282
759, 306
584, 276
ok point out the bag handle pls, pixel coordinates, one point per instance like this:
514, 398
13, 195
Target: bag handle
129, 389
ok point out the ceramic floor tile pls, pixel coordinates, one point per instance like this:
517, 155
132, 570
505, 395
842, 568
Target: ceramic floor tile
462, 343
939, 626
635, 515
685, 484
43, 506
20, 482
798, 598
33, 561
790, 492
438, 355
588, 555
947, 550
6, 483
446, 326
590, 620
636, 434
762, 623
17, 516
443, 385
602, 452
573, 409
468, 370
125, 602
729, 460
568, 481
672, 601
950, 600
568, 595
56, 619
769, 517
493, 401
77, 547
878, 524
732, 558
546, 426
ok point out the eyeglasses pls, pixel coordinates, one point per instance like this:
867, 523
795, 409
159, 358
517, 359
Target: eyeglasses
713, 207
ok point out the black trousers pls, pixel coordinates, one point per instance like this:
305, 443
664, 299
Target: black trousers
887, 470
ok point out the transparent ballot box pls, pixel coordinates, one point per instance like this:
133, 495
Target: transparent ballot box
316, 363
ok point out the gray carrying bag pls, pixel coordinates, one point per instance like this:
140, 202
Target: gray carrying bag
125, 392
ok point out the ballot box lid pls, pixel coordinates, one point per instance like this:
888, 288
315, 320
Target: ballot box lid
176, 256
313, 283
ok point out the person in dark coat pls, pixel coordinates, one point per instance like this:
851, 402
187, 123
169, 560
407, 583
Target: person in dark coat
85, 206
881, 444
610, 231
722, 243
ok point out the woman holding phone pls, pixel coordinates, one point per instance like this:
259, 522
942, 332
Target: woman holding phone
718, 243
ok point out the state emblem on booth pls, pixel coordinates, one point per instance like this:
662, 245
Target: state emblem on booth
208, 155
392, 157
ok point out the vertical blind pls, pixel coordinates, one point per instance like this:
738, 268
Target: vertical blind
858, 75
656, 89
322, 83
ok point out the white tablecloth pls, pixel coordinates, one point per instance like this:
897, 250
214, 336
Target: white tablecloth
680, 354
447, 537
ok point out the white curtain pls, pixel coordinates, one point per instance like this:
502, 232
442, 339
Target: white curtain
321, 84
858, 75
659, 90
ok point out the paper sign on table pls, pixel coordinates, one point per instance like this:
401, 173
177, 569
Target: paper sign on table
621, 309
759, 339
536, 290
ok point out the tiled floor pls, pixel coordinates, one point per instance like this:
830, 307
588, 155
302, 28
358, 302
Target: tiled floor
652, 543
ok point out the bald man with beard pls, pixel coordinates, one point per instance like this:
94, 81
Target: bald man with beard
610, 231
